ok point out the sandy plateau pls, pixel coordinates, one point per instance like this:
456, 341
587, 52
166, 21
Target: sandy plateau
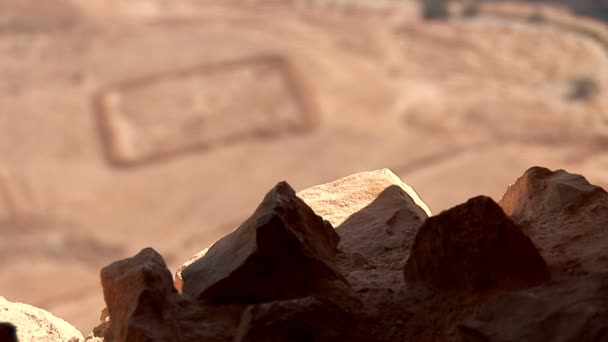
126, 124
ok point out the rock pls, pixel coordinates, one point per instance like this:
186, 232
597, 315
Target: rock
373, 211
302, 319
565, 216
283, 251
8, 332
143, 306
34, 324
179, 281
574, 310
474, 247
136, 291
540, 192
102, 332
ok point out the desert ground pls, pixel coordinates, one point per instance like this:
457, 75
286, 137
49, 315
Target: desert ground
126, 124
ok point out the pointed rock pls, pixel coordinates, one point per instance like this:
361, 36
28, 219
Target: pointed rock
34, 324
541, 192
474, 247
373, 211
283, 251
574, 310
136, 291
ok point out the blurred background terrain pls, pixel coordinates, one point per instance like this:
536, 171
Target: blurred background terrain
134, 123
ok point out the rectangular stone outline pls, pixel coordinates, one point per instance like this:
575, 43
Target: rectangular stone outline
298, 90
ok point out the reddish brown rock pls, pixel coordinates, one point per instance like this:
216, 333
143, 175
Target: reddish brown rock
541, 192
144, 306
474, 247
136, 291
283, 251
574, 310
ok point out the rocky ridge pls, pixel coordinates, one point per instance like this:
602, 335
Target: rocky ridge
363, 259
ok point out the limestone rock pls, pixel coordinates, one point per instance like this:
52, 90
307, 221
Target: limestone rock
474, 247
540, 191
35, 324
373, 211
284, 250
574, 310
136, 291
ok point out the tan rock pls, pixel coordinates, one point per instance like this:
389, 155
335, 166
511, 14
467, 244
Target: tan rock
338, 200
37, 325
474, 247
565, 216
541, 192
373, 212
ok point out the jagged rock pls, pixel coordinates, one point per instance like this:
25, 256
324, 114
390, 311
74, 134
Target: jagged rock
136, 291
143, 305
373, 211
474, 247
8, 332
565, 216
540, 192
35, 324
302, 319
574, 310
283, 251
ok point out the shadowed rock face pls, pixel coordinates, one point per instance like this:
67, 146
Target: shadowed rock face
302, 319
284, 250
574, 310
474, 247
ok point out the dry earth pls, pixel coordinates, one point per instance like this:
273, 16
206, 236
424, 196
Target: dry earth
126, 124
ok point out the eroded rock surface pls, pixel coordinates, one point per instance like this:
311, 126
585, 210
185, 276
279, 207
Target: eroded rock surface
34, 324
540, 192
284, 250
574, 310
373, 212
565, 216
474, 247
